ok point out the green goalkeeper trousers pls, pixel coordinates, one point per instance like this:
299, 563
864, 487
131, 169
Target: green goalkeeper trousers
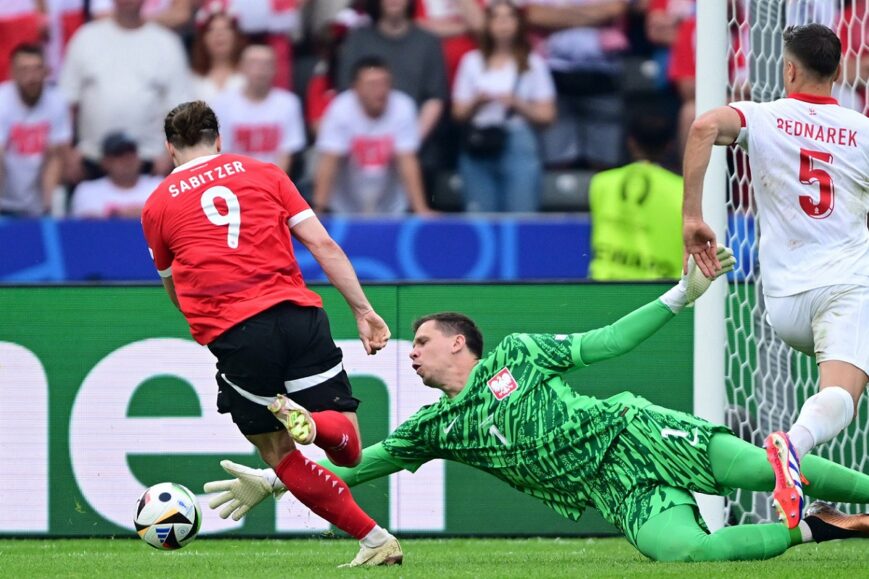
676, 534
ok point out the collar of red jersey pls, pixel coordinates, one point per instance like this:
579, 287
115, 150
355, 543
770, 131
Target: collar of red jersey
194, 162
813, 98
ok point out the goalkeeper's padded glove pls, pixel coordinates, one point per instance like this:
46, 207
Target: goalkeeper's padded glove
694, 284
247, 490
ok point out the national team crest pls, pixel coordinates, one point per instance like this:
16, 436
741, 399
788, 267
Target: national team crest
502, 384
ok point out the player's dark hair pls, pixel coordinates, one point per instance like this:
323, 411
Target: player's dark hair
374, 8
28, 48
815, 46
367, 62
453, 323
190, 124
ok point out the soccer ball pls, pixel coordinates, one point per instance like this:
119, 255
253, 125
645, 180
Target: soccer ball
167, 516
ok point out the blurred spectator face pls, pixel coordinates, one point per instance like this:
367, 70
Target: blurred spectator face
372, 86
503, 23
258, 67
394, 9
128, 8
217, 39
121, 160
123, 169
220, 37
122, 164
29, 73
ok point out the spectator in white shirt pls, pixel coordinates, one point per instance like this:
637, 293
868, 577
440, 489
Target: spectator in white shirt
367, 147
35, 128
123, 191
124, 72
502, 90
260, 120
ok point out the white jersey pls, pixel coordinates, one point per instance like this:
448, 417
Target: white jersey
102, 199
124, 79
474, 78
261, 129
809, 160
369, 182
26, 135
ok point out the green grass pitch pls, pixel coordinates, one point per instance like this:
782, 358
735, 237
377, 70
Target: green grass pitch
428, 558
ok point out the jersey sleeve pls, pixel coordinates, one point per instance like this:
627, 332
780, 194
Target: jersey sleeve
407, 447
463, 86
61, 125
71, 73
623, 335
541, 83
157, 246
84, 202
335, 135
376, 463
407, 129
294, 130
746, 110
292, 200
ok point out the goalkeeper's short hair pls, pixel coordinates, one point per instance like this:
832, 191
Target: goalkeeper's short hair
453, 323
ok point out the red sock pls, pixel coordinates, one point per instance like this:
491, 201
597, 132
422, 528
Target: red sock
324, 493
337, 436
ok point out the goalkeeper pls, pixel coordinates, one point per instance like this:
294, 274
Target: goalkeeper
511, 414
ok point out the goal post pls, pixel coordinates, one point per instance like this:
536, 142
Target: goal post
709, 313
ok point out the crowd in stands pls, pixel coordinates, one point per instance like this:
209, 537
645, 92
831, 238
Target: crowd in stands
374, 107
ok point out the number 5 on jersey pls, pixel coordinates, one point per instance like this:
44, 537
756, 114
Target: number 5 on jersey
232, 217
809, 175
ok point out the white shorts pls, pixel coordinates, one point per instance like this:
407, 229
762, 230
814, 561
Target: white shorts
830, 323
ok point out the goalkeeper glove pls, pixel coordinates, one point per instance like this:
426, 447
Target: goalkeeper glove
247, 490
694, 284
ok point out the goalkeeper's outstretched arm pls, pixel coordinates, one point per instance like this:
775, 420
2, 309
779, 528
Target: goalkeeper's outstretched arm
251, 486
630, 331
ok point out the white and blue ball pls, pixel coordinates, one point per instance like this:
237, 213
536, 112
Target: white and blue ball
167, 516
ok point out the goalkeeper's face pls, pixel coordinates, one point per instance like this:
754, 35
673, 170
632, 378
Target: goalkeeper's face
432, 353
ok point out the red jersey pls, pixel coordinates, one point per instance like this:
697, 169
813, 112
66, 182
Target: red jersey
220, 226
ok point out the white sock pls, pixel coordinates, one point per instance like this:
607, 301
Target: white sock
806, 532
375, 537
822, 417
802, 439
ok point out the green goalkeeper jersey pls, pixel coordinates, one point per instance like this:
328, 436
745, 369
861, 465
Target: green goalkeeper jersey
517, 419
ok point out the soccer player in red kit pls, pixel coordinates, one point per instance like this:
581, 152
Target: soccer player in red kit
218, 229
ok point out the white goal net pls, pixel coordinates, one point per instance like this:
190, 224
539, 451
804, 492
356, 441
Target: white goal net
766, 381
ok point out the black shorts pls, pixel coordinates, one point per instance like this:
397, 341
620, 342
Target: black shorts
286, 349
